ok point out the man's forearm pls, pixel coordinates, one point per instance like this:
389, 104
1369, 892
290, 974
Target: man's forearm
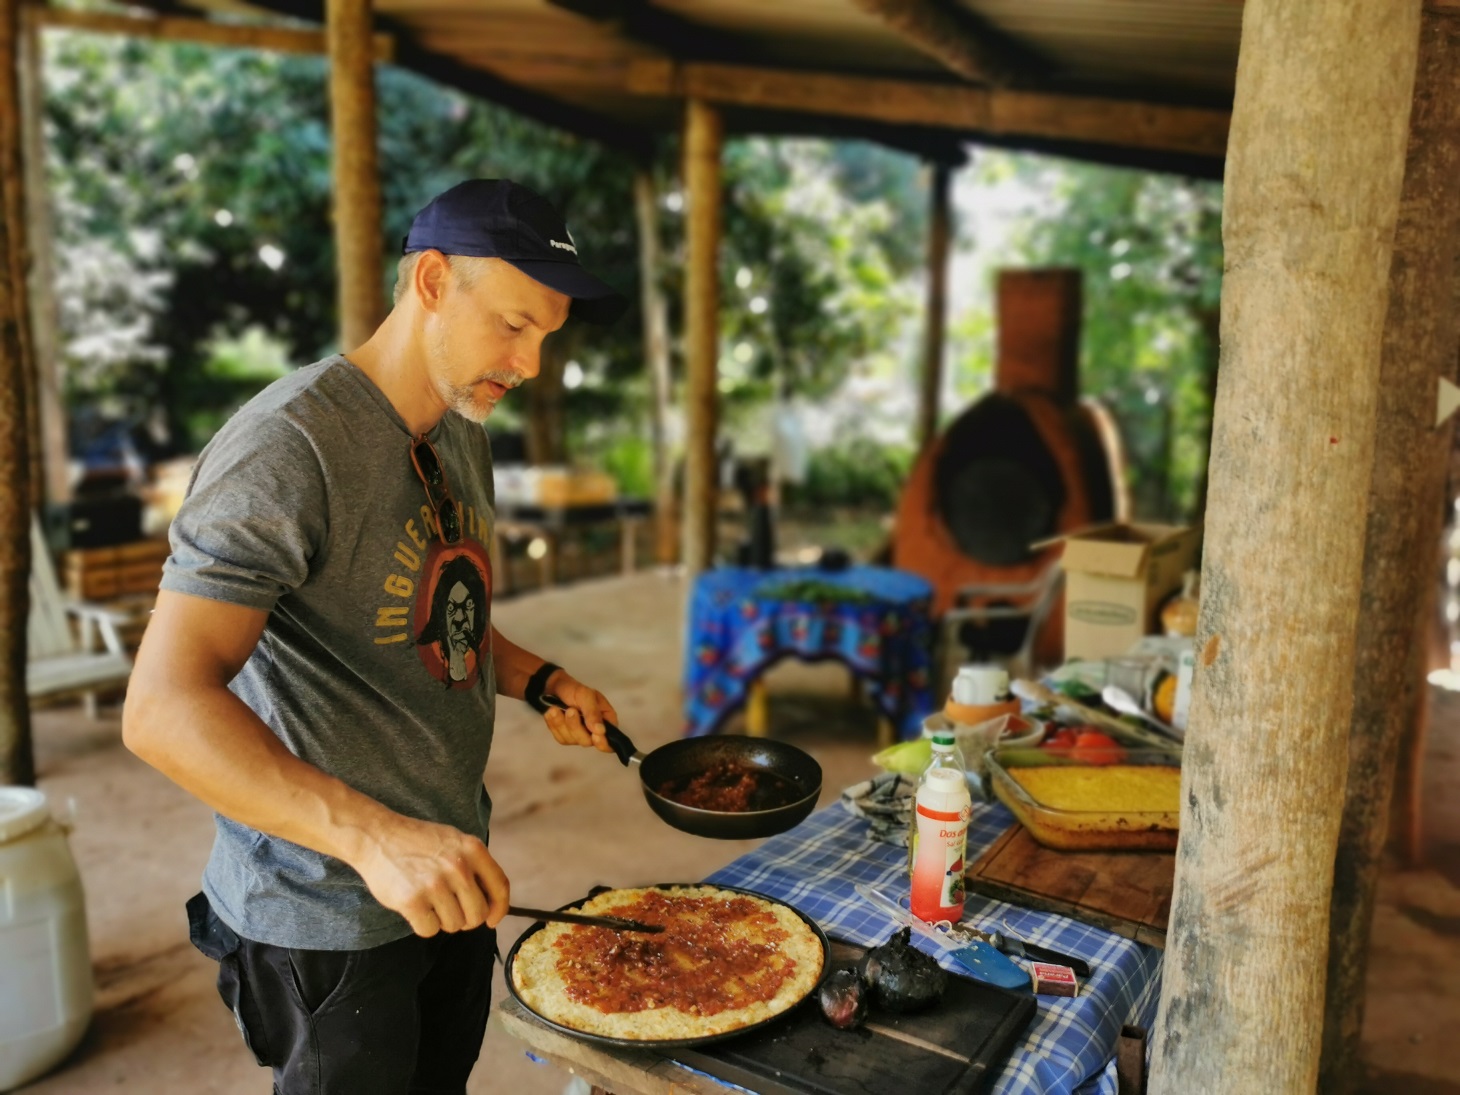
205, 739
514, 665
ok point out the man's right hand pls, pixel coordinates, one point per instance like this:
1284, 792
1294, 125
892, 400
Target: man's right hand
437, 877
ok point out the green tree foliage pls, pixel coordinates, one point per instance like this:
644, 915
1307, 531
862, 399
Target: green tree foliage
192, 187
192, 193
1150, 249
814, 263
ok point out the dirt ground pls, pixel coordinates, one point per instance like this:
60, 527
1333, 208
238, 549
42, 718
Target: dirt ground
568, 819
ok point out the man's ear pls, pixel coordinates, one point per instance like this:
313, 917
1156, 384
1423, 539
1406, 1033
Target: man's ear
431, 278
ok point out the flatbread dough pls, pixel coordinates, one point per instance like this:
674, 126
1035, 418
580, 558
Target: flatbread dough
725, 961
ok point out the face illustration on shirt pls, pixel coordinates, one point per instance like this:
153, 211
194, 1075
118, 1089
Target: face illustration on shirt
461, 610
454, 602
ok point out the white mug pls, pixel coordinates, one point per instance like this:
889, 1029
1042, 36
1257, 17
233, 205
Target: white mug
978, 685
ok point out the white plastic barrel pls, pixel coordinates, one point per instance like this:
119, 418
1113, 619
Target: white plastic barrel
45, 962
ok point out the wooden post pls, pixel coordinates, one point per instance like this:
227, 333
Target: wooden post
1404, 525
656, 353
55, 485
18, 255
356, 169
547, 440
704, 137
17, 761
1314, 175
936, 315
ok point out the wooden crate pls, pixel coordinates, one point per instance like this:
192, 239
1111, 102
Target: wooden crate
99, 574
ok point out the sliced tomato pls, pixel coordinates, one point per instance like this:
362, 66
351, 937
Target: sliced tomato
1062, 740
1093, 747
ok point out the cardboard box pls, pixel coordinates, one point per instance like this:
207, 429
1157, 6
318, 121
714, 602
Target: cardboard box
1116, 577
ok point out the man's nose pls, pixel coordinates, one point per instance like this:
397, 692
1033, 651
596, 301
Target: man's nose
528, 363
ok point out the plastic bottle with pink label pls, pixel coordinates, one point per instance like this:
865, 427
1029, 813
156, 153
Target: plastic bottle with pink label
939, 839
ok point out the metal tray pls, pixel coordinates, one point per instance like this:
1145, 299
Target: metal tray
664, 1043
1084, 830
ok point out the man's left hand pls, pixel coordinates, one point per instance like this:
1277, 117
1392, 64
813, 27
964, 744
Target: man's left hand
583, 722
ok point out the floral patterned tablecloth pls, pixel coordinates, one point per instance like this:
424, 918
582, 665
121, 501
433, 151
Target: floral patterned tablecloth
874, 620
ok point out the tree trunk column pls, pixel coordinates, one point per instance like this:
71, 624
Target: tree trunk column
17, 764
547, 435
1314, 175
1404, 525
356, 169
656, 352
936, 317
45, 357
704, 137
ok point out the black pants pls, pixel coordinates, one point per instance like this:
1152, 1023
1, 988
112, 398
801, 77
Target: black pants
404, 1018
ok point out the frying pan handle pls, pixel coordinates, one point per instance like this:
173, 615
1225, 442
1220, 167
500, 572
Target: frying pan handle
622, 746
620, 742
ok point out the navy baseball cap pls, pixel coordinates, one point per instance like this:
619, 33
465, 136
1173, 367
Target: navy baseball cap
497, 218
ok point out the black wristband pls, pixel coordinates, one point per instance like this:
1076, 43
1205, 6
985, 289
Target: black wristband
536, 685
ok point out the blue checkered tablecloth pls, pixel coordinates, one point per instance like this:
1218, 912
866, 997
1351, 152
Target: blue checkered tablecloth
740, 625
1070, 1046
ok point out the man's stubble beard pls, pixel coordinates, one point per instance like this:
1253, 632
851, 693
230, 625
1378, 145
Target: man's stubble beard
463, 398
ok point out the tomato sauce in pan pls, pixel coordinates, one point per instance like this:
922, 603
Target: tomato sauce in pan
729, 786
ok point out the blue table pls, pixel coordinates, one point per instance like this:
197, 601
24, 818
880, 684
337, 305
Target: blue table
739, 627
1070, 1046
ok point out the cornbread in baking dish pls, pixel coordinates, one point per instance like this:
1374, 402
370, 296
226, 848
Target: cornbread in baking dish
1115, 788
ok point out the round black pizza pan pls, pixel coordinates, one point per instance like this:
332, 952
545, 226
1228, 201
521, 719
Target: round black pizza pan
666, 1043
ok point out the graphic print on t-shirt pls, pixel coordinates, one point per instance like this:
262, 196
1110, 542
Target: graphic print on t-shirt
453, 609
439, 598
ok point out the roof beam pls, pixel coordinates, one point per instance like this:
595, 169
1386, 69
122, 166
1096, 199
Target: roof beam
955, 37
483, 85
665, 31
1192, 131
934, 146
177, 28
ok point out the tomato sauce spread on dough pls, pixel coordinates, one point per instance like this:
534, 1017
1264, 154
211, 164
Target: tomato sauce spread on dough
715, 953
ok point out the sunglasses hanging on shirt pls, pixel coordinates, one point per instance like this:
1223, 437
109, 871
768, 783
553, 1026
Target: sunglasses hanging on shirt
427, 462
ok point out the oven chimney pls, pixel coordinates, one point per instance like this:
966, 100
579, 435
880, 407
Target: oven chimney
1039, 333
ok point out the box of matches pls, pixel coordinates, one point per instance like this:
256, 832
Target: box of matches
1050, 980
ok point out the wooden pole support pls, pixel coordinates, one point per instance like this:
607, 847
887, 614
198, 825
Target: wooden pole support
704, 139
45, 341
17, 760
358, 245
935, 320
656, 354
1315, 171
1405, 520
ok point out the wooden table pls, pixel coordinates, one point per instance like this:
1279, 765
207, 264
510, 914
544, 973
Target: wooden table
1070, 1042
548, 523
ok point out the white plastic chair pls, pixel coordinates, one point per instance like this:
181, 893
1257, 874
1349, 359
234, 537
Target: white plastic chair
1030, 601
62, 662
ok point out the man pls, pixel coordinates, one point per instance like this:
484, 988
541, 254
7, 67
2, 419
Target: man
322, 671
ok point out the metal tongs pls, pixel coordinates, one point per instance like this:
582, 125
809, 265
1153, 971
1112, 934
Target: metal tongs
972, 953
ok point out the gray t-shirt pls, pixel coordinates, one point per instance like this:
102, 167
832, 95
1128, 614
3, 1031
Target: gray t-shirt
375, 664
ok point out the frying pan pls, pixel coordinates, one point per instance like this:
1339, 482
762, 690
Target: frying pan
783, 803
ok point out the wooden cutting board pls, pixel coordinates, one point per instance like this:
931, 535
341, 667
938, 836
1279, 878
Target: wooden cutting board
1128, 893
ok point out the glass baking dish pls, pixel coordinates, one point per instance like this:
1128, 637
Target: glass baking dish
1107, 827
